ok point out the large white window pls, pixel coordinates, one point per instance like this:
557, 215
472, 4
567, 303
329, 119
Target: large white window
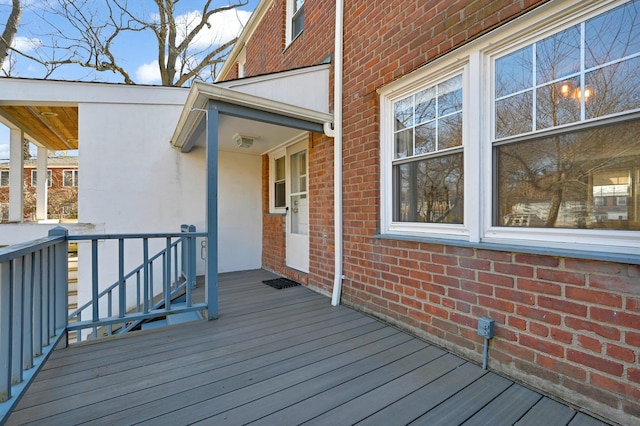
522, 137
555, 153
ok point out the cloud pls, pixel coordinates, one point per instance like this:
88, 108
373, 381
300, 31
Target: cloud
26, 44
224, 27
148, 73
4, 152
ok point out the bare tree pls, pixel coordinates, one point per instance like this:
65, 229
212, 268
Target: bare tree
10, 30
92, 34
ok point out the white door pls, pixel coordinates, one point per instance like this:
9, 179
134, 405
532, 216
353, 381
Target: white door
298, 209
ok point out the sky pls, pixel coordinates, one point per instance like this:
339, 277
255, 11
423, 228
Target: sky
136, 52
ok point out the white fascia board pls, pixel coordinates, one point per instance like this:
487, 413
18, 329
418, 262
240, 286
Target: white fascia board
18, 91
201, 93
243, 38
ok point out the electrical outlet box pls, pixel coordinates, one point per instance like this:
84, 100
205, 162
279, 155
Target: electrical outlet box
485, 327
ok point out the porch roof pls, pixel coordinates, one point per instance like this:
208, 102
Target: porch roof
268, 108
47, 110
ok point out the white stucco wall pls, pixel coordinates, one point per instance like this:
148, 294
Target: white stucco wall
134, 181
240, 211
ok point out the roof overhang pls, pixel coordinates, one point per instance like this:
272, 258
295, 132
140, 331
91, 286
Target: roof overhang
47, 111
250, 108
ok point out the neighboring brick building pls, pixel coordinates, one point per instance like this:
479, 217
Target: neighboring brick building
491, 168
62, 189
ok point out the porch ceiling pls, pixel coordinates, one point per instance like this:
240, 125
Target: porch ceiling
52, 126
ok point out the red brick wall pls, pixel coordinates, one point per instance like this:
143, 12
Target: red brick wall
570, 327
567, 326
321, 249
267, 50
58, 194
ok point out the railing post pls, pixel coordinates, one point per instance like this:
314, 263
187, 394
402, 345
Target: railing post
167, 276
6, 329
122, 292
61, 282
18, 330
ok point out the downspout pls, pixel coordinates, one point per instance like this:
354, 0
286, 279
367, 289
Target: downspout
337, 154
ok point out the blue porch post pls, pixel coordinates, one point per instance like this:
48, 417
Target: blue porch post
211, 273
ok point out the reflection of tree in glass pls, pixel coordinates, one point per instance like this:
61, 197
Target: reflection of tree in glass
559, 170
431, 190
551, 178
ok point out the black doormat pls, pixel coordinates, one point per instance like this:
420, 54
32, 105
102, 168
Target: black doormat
280, 283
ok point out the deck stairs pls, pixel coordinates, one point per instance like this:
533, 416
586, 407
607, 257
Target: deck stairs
173, 319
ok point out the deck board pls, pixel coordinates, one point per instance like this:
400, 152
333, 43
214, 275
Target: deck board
276, 357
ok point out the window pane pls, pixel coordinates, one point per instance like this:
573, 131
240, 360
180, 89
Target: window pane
404, 143
450, 131
612, 35
425, 105
280, 169
614, 88
403, 111
279, 194
429, 190
426, 138
450, 96
514, 115
558, 103
514, 72
558, 56
4, 178
572, 181
297, 23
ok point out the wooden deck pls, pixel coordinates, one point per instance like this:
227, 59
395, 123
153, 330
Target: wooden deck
277, 357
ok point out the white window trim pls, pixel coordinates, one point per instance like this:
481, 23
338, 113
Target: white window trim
460, 231
75, 178
273, 155
289, 24
242, 63
476, 59
49, 178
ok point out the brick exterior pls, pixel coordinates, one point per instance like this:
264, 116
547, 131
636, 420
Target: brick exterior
569, 327
59, 196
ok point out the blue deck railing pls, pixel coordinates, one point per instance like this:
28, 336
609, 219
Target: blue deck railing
34, 296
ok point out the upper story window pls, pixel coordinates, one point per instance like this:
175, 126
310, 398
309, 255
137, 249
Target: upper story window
428, 176
4, 177
34, 178
528, 135
295, 19
566, 143
242, 63
70, 178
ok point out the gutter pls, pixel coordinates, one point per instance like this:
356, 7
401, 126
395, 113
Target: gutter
337, 155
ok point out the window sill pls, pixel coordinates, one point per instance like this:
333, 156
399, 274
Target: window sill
632, 259
275, 214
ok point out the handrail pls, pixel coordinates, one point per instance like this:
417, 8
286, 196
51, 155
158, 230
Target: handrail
33, 307
114, 285
145, 307
34, 297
